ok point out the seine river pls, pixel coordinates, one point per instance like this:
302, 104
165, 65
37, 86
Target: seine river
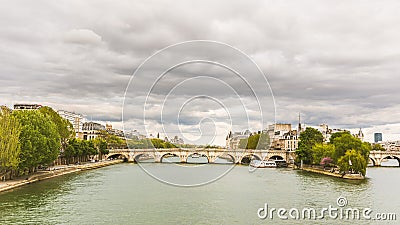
125, 194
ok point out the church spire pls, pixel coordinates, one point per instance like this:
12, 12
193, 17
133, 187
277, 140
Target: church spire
299, 128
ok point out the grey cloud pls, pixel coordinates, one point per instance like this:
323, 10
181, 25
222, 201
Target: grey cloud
334, 62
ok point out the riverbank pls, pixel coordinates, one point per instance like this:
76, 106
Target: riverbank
334, 174
53, 172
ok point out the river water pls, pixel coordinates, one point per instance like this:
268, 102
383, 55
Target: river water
125, 194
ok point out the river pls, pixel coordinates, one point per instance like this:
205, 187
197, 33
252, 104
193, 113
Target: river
125, 194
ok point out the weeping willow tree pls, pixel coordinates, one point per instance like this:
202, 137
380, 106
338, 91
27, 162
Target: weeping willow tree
10, 130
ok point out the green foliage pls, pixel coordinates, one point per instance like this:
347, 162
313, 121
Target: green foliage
100, 145
150, 143
64, 127
252, 141
10, 130
342, 147
243, 143
344, 142
322, 150
78, 147
157, 143
263, 141
140, 144
358, 162
39, 139
308, 139
378, 147
256, 141
113, 141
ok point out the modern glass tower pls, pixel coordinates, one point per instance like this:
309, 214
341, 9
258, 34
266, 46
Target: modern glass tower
377, 137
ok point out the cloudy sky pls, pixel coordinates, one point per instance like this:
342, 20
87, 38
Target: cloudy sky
336, 62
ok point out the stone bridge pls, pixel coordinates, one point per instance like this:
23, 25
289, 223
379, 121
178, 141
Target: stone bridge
235, 156
377, 156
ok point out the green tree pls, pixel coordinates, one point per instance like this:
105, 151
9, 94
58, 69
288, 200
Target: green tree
344, 142
322, 150
353, 160
252, 141
263, 141
378, 147
64, 127
101, 146
243, 143
10, 130
308, 139
157, 143
39, 139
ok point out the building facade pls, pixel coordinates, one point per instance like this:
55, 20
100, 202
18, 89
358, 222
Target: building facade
91, 130
74, 118
377, 137
233, 139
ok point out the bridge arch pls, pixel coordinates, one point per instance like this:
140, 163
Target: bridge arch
276, 157
391, 157
197, 155
143, 156
224, 159
169, 154
246, 159
116, 155
373, 161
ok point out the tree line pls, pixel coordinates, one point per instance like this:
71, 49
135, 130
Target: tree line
33, 138
343, 150
255, 141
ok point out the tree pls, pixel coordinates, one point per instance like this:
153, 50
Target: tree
64, 127
321, 151
255, 141
112, 140
10, 130
308, 139
39, 139
243, 143
263, 141
101, 146
252, 141
344, 142
378, 147
353, 160
157, 143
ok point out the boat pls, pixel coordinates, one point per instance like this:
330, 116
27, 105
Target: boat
281, 163
263, 164
195, 156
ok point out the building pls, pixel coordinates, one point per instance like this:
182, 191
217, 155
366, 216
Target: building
287, 141
75, 119
177, 140
90, 130
115, 132
391, 145
136, 135
359, 135
327, 132
27, 106
233, 139
276, 131
377, 137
